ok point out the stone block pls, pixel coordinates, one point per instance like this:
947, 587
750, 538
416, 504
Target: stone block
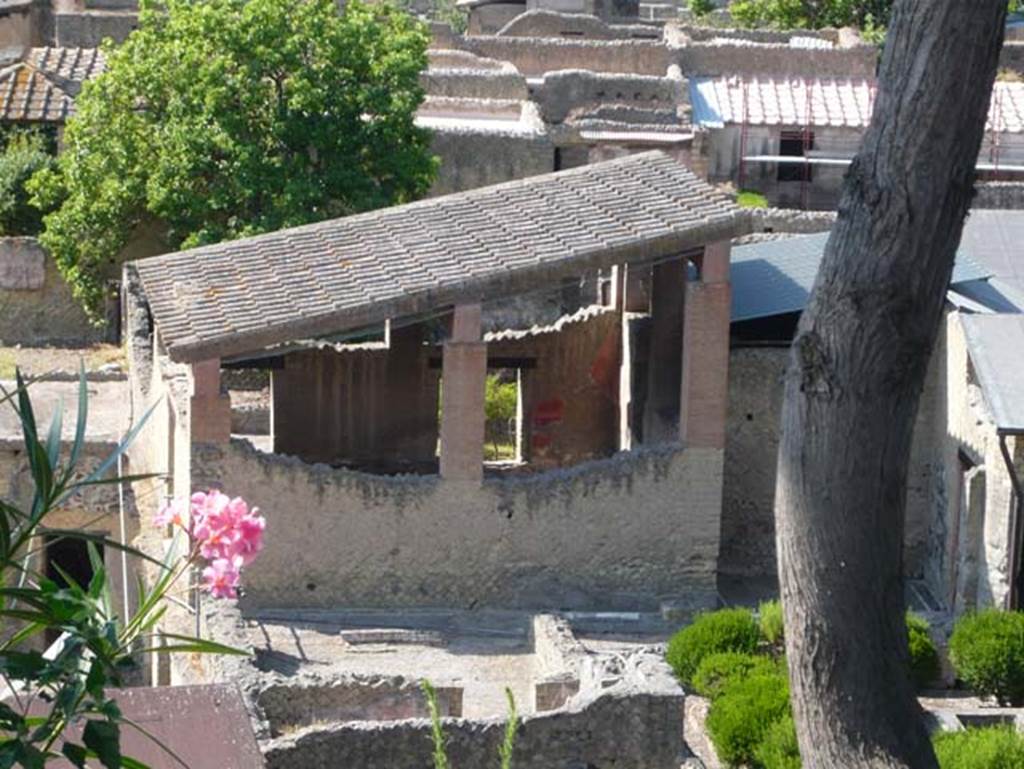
22, 264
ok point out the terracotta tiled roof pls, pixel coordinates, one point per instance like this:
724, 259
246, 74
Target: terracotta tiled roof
248, 294
835, 102
42, 86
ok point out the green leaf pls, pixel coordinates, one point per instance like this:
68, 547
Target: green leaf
76, 754
10, 719
188, 643
22, 666
103, 738
53, 439
80, 420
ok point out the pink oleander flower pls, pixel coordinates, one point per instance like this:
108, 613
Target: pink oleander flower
168, 514
222, 577
225, 532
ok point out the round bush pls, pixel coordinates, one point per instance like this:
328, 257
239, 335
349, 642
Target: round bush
769, 618
726, 630
924, 657
987, 652
779, 748
741, 716
992, 747
716, 671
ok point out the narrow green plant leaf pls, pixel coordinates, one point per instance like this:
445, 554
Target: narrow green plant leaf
104, 739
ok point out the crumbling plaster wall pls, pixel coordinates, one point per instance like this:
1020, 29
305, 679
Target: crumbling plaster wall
619, 532
739, 57
36, 305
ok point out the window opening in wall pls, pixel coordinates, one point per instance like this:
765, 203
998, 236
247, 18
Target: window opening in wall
70, 556
503, 410
795, 144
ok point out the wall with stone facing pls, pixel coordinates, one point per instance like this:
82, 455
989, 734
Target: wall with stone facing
476, 158
534, 56
1006, 195
36, 305
560, 93
614, 533
87, 29
753, 427
540, 23
774, 60
631, 725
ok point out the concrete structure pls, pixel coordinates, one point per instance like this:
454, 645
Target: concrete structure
557, 538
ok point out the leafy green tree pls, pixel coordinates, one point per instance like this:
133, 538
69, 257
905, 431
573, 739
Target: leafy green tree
25, 154
811, 14
218, 119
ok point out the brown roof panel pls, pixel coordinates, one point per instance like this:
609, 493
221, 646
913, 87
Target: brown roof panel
329, 277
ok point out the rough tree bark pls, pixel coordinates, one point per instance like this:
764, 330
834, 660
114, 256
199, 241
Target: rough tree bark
854, 380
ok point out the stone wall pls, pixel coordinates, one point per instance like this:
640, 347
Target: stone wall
534, 56
36, 305
751, 452
472, 158
635, 723
616, 533
728, 57
753, 428
88, 29
551, 24
1005, 195
560, 93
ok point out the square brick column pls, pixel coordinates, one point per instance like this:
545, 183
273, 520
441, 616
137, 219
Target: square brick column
463, 381
705, 376
210, 409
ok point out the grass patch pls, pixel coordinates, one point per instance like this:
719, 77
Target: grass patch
750, 199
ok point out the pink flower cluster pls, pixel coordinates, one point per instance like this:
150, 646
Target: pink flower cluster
226, 533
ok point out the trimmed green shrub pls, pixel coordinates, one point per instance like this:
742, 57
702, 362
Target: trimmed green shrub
717, 670
992, 747
726, 630
779, 748
742, 715
924, 657
769, 618
987, 652
26, 153
701, 8
751, 199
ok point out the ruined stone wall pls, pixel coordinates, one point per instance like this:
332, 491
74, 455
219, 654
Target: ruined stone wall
753, 428
561, 93
36, 305
614, 533
752, 433
89, 29
570, 397
473, 158
1004, 195
534, 56
630, 725
540, 23
728, 57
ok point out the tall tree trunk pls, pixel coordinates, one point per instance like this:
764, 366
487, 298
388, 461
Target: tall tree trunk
854, 380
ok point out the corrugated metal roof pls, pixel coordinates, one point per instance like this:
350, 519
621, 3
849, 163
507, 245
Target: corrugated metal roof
775, 277
247, 294
996, 239
996, 347
818, 102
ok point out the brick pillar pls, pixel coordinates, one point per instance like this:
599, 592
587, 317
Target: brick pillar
210, 409
463, 375
705, 376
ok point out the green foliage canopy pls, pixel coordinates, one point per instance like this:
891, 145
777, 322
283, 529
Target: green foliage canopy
811, 14
26, 153
219, 119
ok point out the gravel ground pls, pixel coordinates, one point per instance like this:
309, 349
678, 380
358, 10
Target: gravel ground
42, 361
